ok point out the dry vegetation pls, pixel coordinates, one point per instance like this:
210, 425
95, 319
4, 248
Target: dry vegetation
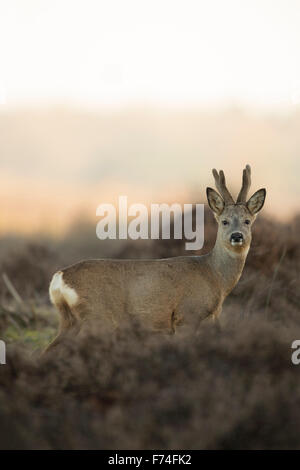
129, 389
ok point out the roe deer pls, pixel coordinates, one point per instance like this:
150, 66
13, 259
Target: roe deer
163, 293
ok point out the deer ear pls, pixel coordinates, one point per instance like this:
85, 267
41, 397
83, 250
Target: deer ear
215, 201
256, 202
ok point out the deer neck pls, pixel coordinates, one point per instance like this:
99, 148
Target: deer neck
228, 264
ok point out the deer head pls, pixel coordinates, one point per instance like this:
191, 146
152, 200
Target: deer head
235, 218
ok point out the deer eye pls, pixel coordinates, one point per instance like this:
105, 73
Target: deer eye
247, 221
225, 222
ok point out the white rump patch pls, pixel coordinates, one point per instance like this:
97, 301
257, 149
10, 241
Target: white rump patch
59, 291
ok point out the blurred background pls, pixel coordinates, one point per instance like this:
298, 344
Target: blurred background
143, 98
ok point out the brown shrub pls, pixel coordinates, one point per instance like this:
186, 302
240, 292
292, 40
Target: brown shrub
126, 389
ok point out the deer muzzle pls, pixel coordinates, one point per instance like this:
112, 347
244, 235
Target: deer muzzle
236, 238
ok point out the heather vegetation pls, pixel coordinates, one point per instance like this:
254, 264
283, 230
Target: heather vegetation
127, 388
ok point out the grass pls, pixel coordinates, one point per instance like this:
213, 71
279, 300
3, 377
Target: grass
34, 333
32, 339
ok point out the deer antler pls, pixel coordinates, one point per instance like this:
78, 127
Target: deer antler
242, 197
221, 186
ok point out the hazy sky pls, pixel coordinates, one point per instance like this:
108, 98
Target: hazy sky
116, 52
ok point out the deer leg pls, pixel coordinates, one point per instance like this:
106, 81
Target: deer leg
214, 319
216, 322
68, 325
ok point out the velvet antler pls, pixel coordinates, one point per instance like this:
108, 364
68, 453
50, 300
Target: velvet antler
221, 186
242, 197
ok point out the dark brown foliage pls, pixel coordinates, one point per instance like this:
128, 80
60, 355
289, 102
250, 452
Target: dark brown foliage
229, 389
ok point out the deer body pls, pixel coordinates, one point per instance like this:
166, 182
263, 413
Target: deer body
162, 293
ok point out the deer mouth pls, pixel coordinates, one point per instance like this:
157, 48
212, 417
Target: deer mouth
236, 238
234, 242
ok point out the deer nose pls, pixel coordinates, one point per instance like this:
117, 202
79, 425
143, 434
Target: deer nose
236, 237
